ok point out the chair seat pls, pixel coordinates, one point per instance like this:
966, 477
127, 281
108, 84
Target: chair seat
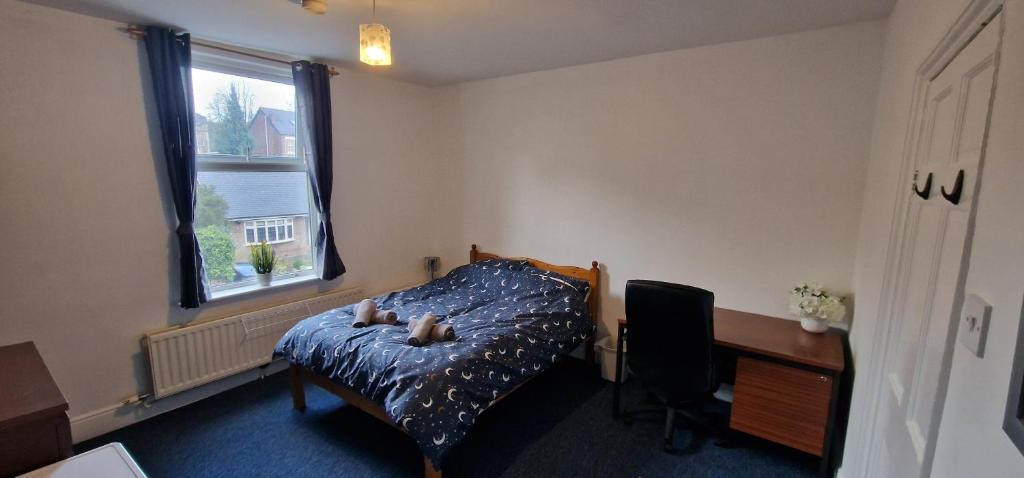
669, 383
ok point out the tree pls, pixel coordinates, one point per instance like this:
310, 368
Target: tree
211, 208
230, 113
218, 253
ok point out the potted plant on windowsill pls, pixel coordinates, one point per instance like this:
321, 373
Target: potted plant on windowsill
816, 307
263, 260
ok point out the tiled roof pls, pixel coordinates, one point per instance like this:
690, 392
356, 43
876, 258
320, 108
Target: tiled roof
262, 194
283, 121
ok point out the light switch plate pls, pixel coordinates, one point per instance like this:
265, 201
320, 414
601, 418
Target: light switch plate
974, 323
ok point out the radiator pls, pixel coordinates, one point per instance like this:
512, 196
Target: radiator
187, 357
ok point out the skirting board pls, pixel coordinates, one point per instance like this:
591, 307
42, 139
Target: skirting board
104, 420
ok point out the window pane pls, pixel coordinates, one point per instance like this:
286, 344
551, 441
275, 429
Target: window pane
272, 204
240, 118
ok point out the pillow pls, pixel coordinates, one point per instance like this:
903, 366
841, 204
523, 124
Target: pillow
507, 264
488, 266
581, 286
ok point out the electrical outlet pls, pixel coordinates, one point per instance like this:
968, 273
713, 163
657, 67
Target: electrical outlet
432, 264
974, 323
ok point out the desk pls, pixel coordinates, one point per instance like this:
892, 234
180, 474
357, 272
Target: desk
786, 384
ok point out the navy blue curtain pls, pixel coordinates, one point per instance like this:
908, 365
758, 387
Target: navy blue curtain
313, 99
170, 66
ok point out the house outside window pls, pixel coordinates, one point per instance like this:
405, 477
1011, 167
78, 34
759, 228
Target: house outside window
252, 186
202, 135
273, 132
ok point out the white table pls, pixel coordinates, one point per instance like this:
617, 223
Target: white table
108, 461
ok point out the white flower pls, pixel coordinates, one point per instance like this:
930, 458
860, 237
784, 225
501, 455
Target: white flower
812, 300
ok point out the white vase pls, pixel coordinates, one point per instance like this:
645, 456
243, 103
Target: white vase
814, 325
264, 279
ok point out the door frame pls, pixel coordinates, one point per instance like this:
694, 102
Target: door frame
975, 16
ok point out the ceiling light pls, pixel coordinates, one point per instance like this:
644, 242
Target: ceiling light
374, 42
316, 7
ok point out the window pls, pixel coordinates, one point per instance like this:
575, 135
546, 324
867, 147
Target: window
252, 187
273, 231
289, 145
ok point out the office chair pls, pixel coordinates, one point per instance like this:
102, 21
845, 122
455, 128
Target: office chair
670, 335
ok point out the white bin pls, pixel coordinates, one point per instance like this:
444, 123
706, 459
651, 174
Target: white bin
605, 349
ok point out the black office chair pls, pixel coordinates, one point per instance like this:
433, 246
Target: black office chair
670, 336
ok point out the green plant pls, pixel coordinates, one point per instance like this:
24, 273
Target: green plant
211, 208
218, 252
230, 111
298, 264
262, 257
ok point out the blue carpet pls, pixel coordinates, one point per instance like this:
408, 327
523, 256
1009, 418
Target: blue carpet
558, 425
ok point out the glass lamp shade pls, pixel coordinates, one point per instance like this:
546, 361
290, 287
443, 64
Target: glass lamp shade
374, 44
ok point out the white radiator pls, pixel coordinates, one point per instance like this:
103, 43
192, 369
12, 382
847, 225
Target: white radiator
186, 357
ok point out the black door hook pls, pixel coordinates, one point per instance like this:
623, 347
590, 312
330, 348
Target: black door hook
927, 187
958, 189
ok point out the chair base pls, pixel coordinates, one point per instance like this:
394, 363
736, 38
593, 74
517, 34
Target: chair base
695, 422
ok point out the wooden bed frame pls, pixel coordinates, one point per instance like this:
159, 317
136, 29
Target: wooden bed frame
300, 375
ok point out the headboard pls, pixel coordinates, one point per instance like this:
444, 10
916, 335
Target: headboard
592, 275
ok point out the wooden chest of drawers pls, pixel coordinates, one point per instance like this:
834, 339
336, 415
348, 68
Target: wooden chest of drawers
34, 427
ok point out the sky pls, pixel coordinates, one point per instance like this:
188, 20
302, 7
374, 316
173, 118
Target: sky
268, 93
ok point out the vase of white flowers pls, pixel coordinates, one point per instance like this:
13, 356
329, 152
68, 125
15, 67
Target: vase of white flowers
816, 307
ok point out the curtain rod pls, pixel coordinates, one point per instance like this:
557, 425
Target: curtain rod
137, 32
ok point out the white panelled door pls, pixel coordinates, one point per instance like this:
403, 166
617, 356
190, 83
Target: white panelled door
929, 288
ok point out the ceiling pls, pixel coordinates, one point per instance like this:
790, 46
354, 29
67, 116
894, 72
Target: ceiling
439, 42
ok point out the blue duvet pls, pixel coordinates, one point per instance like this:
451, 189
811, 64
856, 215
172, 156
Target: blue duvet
512, 320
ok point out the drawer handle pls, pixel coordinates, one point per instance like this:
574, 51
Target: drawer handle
823, 378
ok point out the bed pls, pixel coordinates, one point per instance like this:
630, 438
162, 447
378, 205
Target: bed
514, 317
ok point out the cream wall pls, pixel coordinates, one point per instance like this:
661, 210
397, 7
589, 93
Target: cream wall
971, 441
736, 167
87, 244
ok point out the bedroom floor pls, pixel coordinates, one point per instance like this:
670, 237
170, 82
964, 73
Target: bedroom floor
558, 425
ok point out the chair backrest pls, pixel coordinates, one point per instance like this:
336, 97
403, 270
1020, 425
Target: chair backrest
671, 328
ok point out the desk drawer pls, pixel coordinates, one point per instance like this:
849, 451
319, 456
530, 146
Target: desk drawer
783, 404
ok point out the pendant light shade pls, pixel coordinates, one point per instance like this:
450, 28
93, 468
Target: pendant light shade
374, 44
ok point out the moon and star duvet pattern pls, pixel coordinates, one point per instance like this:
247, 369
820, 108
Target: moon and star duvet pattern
512, 322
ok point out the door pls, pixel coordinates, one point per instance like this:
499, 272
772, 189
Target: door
929, 288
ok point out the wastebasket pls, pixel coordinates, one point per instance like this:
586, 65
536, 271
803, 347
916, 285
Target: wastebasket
605, 349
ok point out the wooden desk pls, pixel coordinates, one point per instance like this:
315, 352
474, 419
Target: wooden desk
34, 428
786, 382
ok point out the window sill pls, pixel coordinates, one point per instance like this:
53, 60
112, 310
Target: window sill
253, 289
